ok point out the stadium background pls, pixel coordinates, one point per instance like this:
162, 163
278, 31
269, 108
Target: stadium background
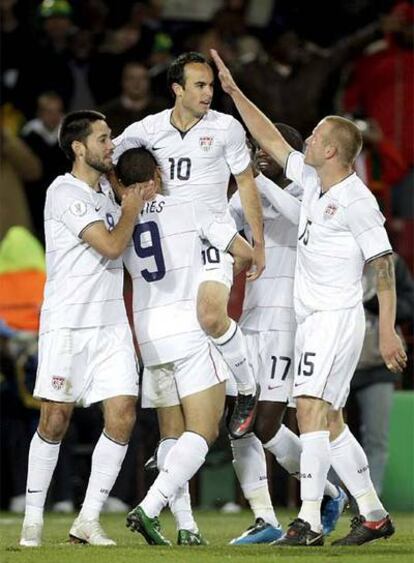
78, 49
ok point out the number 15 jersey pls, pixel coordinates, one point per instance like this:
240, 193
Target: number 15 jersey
195, 165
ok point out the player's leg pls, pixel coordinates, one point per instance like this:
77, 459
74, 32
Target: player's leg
202, 413
114, 382
224, 332
171, 426
43, 457
351, 465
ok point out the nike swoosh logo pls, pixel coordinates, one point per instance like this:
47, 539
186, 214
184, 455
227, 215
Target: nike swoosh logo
271, 387
33, 491
313, 540
98, 208
157, 148
301, 383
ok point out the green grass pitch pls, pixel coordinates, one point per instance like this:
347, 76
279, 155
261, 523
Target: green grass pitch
218, 529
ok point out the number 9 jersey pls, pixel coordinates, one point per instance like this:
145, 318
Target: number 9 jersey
164, 260
195, 164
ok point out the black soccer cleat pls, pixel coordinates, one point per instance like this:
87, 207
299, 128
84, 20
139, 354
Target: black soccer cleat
363, 531
300, 533
244, 414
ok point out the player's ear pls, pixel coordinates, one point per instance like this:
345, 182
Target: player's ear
177, 89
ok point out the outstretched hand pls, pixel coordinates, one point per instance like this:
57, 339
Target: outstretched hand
226, 79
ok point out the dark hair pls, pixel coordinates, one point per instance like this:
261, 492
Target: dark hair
176, 69
291, 136
76, 126
135, 165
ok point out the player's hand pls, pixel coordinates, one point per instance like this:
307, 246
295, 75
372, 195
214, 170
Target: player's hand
132, 200
258, 263
392, 351
148, 190
227, 81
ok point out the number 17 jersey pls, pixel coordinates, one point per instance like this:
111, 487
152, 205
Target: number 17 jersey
196, 164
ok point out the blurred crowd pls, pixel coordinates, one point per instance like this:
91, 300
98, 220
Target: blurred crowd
297, 62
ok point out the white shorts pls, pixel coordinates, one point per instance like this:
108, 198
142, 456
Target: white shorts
270, 355
165, 385
86, 365
217, 266
327, 349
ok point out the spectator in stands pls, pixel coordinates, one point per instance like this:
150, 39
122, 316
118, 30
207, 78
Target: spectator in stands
41, 135
135, 101
373, 384
18, 164
382, 87
296, 70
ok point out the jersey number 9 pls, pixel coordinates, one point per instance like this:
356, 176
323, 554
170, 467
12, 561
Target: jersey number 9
147, 243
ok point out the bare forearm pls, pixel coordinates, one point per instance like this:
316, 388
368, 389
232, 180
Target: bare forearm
385, 279
252, 208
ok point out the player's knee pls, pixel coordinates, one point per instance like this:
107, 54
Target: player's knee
311, 415
120, 422
265, 429
54, 423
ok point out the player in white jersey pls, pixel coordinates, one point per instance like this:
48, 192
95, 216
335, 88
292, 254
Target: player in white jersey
86, 353
341, 229
268, 322
182, 367
197, 149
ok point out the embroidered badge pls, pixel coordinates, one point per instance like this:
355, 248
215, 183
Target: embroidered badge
57, 382
206, 143
330, 210
78, 208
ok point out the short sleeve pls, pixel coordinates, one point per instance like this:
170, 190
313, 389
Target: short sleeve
366, 223
236, 211
299, 172
75, 209
236, 152
219, 231
134, 136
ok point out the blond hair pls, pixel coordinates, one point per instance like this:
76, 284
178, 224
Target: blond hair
347, 138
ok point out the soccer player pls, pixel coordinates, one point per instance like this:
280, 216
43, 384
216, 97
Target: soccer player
86, 352
164, 260
196, 149
341, 229
268, 323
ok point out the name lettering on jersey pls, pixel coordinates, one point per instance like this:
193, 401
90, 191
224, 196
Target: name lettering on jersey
206, 143
78, 208
330, 210
153, 207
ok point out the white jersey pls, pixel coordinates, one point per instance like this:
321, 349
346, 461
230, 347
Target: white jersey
268, 301
339, 231
83, 289
195, 165
164, 260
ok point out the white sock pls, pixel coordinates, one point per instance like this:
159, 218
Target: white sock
180, 503
232, 347
107, 459
287, 449
249, 464
43, 457
314, 467
351, 465
182, 462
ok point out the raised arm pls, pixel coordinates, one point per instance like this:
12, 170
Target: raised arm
390, 344
260, 127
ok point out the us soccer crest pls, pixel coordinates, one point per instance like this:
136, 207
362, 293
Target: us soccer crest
57, 382
330, 210
206, 143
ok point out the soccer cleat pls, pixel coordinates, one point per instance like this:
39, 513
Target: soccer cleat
331, 510
88, 531
31, 535
363, 531
138, 521
259, 532
300, 533
186, 537
151, 464
244, 413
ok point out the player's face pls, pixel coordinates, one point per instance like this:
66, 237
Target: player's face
197, 93
99, 147
269, 167
316, 145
